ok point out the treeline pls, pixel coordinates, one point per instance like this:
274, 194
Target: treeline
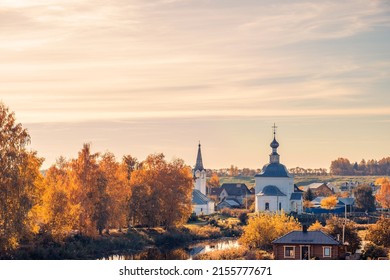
308, 171
344, 167
87, 195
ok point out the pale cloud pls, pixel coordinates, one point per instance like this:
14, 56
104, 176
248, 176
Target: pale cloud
74, 61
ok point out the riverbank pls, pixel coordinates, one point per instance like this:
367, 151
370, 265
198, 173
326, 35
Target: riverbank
153, 242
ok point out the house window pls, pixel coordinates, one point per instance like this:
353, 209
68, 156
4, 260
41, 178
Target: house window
289, 252
266, 206
327, 252
280, 206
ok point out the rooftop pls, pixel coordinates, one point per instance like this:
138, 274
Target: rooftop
306, 237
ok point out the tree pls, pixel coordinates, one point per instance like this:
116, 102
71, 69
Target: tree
316, 226
161, 192
334, 227
341, 166
383, 195
329, 202
213, 182
130, 164
117, 189
85, 176
265, 228
19, 181
372, 251
379, 233
364, 199
58, 214
308, 195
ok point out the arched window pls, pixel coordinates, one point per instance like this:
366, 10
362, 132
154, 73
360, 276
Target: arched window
266, 206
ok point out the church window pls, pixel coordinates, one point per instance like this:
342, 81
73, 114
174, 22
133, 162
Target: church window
266, 206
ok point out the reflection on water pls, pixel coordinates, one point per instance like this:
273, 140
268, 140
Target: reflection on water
186, 253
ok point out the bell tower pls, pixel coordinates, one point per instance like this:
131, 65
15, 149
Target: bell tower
200, 173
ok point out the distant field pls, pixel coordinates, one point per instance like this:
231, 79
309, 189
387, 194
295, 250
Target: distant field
306, 180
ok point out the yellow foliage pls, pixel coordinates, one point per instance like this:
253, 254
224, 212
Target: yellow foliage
383, 194
316, 226
329, 202
266, 227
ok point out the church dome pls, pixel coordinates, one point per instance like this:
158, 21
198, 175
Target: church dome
274, 144
274, 170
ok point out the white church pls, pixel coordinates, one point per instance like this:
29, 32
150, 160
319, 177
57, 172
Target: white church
274, 186
201, 204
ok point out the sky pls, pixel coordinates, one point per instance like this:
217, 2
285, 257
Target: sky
140, 77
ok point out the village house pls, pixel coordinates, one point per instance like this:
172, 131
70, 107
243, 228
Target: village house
306, 245
320, 189
231, 195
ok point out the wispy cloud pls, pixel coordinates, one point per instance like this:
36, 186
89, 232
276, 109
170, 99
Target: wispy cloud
82, 60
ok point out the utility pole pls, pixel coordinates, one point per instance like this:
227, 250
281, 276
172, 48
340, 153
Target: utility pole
345, 222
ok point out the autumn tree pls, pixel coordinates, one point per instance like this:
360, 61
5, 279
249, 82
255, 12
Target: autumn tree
130, 164
88, 190
116, 194
334, 226
379, 233
213, 182
329, 202
383, 194
341, 166
316, 226
265, 228
364, 199
161, 192
19, 181
59, 215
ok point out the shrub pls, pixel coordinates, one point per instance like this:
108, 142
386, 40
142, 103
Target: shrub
379, 233
206, 232
373, 251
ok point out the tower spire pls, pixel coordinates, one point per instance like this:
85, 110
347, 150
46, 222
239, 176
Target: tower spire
274, 157
199, 162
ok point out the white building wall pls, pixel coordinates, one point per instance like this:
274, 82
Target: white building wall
200, 183
203, 209
273, 203
284, 184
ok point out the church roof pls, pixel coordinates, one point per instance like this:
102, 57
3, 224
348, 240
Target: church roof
199, 198
271, 191
274, 170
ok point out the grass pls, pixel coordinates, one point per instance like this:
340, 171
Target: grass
241, 253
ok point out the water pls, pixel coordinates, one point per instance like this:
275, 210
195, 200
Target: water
184, 253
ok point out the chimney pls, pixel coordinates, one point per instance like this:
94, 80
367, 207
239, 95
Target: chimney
304, 228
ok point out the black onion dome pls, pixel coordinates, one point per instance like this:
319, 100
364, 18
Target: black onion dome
274, 144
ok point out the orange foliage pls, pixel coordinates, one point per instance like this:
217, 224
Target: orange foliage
329, 202
383, 195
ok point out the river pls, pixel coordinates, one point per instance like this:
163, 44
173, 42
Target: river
182, 253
